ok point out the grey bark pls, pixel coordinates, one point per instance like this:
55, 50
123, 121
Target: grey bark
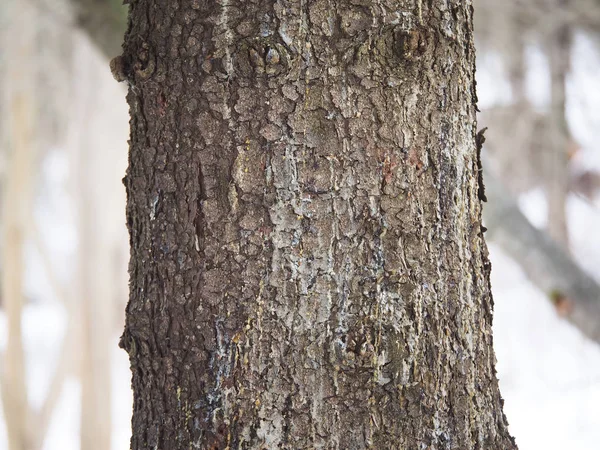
308, 268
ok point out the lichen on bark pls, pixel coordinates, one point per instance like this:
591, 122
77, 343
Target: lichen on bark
308, 268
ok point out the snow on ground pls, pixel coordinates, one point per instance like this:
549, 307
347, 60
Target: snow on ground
549, 373
44, 326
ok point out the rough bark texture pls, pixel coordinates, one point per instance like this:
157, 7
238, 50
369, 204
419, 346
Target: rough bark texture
308, 268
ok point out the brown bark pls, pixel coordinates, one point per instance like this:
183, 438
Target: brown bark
307, 263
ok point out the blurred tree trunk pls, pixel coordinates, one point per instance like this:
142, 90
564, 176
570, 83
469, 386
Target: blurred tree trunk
307, 266
14, 392
16, 206
104, 21
96, 309
576, 295
515, 31
557, 174
95, 276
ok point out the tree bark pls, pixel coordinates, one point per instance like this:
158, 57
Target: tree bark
307, 263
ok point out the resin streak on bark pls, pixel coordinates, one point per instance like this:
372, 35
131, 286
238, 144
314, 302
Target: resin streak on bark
308, 268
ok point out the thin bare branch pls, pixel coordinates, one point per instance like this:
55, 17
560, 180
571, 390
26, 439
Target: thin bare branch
546, 264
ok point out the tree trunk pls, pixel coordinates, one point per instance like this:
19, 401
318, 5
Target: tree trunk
96, 294
307, 262
557, 172
16, 204
103, 20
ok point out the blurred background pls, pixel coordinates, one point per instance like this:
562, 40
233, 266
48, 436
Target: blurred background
64, 247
